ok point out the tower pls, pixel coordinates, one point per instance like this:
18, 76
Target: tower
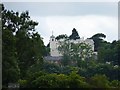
54, 46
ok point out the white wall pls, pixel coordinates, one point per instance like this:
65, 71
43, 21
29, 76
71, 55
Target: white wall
54, 45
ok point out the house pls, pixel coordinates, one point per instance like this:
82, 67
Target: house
54, 44
56, 56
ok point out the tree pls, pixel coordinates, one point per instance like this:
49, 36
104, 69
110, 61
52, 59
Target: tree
29, 44
62, 36
115, 84
74, 53
98, 39
64, 49
10, 68
100, 81
77, 81
22, 45
106, 54
74, 35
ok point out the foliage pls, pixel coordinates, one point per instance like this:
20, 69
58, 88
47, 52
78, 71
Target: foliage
100, 81
23, 83
91, 68
72, 80
74, 34
50, 67
98, 39
64, 49
76, 81
10, 68
74, 53
106, 54
115, 83
61, 36
22, 45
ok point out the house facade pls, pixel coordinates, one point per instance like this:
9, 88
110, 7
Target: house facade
54, 44
56, 56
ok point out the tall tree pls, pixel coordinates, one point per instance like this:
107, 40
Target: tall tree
74, 34
10, 69
98, 39
22, 45
29, 44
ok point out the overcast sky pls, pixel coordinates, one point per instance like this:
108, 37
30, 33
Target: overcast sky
88, 18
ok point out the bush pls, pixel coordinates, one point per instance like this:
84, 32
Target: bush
100, 81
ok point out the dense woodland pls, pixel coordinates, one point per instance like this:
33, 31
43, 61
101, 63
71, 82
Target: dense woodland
23, 52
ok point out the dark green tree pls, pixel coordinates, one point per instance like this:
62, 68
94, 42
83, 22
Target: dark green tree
100, 81
22, 45
109, 52
62, 36
10, 68
98, 39
74, 34
29, 44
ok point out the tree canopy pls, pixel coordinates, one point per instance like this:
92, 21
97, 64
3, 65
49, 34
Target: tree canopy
98, 40
62, 36
73, 53
22, 45
74, 34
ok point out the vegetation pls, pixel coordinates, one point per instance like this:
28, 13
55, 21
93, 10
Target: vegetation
22, 45
74, 53
63, 36
74, 34
23, 51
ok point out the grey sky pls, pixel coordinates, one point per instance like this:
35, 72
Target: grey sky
64, 8
88, 18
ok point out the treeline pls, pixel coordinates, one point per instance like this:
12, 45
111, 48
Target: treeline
23, 51
107, 52
72, 80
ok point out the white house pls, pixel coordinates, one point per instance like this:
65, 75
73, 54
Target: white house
54, 44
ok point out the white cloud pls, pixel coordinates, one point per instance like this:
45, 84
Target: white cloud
86, 26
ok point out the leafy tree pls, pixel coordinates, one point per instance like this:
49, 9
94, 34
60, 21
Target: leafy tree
61, 36
50, 81
100, 81
74, 35
10, 68
47, 49
76, 81
22, 45
98, 39
31, 77
64, 49
81, 51
50, 67
29, 44
115, 84
74, 53
106, 54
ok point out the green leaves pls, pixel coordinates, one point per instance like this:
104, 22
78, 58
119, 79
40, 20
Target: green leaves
100, 81
63, 36
22, 45
74, 35
73, 53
